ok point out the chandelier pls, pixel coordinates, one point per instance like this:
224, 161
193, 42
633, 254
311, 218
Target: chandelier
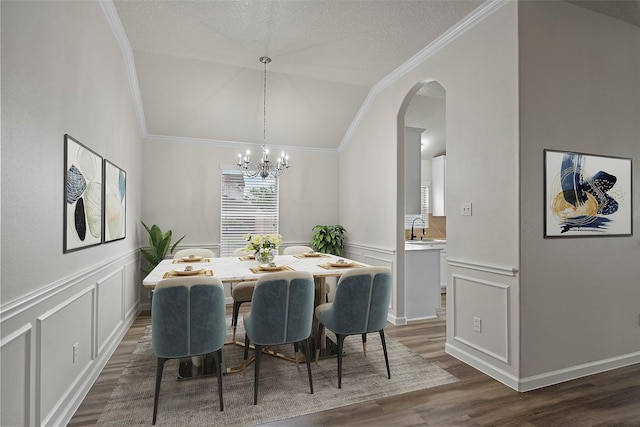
263, 167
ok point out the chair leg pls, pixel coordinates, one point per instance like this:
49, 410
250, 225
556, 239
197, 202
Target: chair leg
217, 356
234, 317
308, 359
384, 349
340, 346
246, 347
257, 374
364, 344
296, 349
318, 340
159, 369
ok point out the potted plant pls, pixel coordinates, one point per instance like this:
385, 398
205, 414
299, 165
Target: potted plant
159, 243
328, 239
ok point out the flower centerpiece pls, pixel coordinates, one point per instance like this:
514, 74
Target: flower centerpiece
265, 246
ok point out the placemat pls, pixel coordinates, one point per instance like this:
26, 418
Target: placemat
172, 274
331, 267
315, 256
257, 270
247, 258
178, 261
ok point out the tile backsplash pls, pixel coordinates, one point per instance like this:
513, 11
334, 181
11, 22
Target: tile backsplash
437, 229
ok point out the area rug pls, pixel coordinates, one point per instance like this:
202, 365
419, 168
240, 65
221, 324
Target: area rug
283, 387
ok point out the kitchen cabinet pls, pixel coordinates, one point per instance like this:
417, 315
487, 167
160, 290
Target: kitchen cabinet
412, 170
421, 280
438, 186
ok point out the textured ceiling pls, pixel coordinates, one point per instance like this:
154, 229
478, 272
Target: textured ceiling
199, 76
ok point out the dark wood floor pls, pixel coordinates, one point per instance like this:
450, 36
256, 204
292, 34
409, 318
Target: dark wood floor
607, 399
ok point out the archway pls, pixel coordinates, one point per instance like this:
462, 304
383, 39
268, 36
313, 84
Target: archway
421, 141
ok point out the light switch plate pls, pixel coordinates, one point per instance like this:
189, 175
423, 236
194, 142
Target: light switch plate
466, 208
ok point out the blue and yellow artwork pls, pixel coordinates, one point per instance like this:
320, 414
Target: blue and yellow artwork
587, 195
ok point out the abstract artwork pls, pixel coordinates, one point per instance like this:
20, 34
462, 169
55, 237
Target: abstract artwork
587, 195
82, 196
115, 202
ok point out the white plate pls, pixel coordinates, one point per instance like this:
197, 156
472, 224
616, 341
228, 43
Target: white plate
183, 272
341, 264
191, 258
266, 267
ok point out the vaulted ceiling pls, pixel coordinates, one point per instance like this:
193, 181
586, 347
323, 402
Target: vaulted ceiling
199, 77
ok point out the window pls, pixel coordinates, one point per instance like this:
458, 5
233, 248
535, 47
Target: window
424, 210
247, 206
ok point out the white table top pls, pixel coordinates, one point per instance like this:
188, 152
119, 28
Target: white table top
234, 269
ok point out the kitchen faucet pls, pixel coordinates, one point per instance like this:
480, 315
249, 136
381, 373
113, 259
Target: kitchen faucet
413, 236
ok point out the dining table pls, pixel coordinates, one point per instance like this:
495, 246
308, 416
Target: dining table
237, 269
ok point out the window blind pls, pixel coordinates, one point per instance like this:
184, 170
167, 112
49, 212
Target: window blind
247, 206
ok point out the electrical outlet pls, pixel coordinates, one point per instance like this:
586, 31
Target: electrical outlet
466, 208
75, 352
477, 324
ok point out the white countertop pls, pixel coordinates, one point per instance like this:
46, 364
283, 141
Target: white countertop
424, 245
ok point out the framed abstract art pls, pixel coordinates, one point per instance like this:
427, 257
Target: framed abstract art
82, 196
587, 195
115, 202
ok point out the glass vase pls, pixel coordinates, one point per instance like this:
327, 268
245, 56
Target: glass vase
266, 257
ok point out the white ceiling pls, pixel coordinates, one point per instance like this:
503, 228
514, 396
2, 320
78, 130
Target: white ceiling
197, 67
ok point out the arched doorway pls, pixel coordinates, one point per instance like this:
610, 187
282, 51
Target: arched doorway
421, 151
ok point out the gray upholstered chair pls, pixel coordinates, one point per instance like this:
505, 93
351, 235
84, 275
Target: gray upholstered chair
359, 307
187, 319
202, 252
281, 313
240, 292
296, 250
242, 252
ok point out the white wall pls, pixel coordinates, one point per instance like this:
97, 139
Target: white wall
62, 72
181, 191
579, 74
479, 72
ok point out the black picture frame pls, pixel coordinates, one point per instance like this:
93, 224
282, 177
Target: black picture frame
82, 196
114, 224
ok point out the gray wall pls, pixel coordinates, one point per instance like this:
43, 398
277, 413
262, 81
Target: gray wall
579, 91
481, 124
181, 190
62, 72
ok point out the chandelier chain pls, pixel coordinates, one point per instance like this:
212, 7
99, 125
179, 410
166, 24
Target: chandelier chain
263, 167
264, 102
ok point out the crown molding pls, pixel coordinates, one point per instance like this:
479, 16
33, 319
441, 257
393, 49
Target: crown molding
431, 49
113, 19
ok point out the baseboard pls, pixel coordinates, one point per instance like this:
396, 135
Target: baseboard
546, 379
578, 371
501, 375
396, 320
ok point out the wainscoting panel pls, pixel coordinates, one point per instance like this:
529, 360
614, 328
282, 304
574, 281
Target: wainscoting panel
481, 316
68, 325
43, 379
15, 402
111, 308
131, 290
